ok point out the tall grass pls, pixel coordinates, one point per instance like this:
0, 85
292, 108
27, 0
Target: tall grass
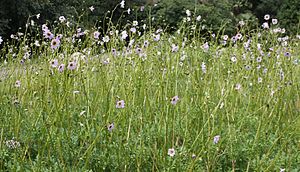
244, 93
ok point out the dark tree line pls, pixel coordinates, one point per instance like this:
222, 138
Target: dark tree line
14, 13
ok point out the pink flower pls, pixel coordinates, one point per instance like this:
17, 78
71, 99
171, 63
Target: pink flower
55, 43
120, 104
171, 152
174, 100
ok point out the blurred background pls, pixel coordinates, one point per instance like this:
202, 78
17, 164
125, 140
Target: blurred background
14, 14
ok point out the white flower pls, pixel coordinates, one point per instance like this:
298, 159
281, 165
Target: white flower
241, 23
92, 8
274, 21
171, 152
267, 17
122, 4
135, 23
62, 19
133, 29
265, 25
36, 43
124, 34
205, 47
1, 40
38, 16
198, 18
188, 13
233, 59
105, 39
128, 11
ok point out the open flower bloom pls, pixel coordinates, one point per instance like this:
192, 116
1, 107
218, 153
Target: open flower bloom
110, 127
72, 65
120, 104
171, 152
174, 100
55, 43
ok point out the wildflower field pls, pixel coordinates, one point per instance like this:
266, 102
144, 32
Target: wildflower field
136, 98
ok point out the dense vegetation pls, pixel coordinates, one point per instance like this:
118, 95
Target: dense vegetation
198, 93
216, 13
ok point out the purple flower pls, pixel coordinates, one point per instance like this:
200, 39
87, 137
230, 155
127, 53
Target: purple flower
47, 34
61, 68
216, 139
54, 63
96, 35
72, 65
110, 127
55, 43
120, 104
174, 100
287, 54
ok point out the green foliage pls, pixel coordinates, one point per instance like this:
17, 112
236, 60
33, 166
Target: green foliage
289, 15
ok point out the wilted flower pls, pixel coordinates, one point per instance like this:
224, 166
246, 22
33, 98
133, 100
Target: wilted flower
241, 23
174, 100
92, 8
265, 25
142, 8
216, 139
282, 169
36, 43
205, 47
238, 86
174, 48
124, 35
18, 84
120, 104
156, 37
188, 13
122, 3
133, 30
62, 19
171, 152
12, 144
61, 68
203, 67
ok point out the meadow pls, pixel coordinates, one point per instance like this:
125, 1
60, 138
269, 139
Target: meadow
136, 98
